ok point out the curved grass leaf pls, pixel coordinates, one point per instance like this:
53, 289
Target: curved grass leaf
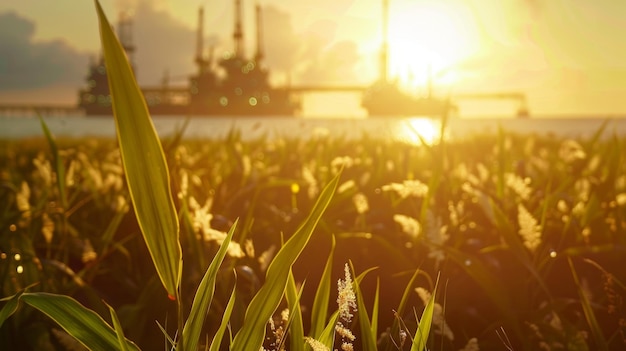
118, 329
143, 160
296, 329
83, 324
216, 343
327, 337
265, 302
203, 297
319, 311
11, 305
395, 326
58, 163
423, 327
374, 324
368, 341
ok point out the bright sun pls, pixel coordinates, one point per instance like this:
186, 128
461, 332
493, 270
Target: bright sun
428, 38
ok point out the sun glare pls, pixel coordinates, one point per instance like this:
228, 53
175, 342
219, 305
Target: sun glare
417, 131
427, 39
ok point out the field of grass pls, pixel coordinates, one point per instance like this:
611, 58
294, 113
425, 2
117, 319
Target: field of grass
494, 242
526, 234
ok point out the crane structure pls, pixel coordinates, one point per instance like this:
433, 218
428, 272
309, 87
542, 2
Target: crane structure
520, 98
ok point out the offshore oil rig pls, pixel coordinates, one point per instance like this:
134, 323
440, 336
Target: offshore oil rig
239, 86
243, 89
385, 98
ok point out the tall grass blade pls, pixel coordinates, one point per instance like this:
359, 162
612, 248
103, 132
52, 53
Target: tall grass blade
216, 343
196, 252
374, 325
58, 164
143, 160
203, 297
11, 305
265, 302
423, 327
327, 336
319, 311
408, 290
296, 328
83, 324
118, 329
168, 338
596, 330
368, 341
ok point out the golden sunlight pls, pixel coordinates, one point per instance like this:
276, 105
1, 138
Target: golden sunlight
417, 131
427, 39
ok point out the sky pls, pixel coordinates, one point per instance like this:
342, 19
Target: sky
565, 55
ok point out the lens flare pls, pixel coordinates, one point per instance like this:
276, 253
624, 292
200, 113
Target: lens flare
417, 131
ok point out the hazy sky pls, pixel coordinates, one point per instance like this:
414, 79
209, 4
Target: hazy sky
568, 56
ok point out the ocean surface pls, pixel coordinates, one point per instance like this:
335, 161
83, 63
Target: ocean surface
404, 129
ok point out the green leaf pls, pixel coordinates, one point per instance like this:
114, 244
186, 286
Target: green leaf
219, 334
203, 297
327, 337
118, 329
296, 329
423, 327
368, 340
319, 311
10, 307
395, 326
265, 302
143, 160
374, 327
78, 321
58, 164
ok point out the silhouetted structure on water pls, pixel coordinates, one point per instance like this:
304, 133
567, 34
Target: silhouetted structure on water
243, 89
384, 97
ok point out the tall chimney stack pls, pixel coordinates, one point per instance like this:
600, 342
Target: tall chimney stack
238, 34
259, 35
200, 61
384, 49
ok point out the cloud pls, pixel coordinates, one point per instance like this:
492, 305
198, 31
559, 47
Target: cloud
165, 44
162, 44
334, 65
281, 44
307, 58
28, 64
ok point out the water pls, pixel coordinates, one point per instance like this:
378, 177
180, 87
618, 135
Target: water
405, 129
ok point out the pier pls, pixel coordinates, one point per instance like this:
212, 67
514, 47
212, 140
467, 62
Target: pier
23, 110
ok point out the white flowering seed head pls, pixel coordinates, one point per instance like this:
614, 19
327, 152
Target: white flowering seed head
529, 229
315, 345
410, 225
346, 299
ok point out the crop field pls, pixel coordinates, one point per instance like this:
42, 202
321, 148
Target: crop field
525, 234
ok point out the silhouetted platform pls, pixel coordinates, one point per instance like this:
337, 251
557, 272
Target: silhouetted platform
23, 110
